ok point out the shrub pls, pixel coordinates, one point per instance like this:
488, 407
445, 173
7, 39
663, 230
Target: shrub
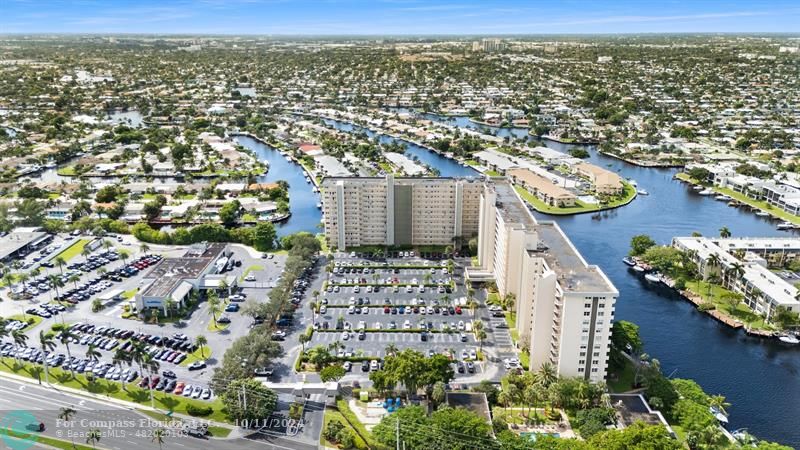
706, 307
201, 411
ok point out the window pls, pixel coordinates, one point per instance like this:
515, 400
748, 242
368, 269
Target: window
581, 361
580, 369
587, 313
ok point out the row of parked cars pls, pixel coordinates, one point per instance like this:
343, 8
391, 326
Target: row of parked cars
99, 369
14, 325
168, 349
45, 311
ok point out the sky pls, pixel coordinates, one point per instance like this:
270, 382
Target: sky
396, 17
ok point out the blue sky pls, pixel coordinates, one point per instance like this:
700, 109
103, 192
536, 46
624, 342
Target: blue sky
384, 17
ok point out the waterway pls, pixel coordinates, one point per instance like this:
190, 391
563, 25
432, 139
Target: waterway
302, 199
447, 167
760, 378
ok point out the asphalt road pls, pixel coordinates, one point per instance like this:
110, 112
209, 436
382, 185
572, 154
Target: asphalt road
122, 428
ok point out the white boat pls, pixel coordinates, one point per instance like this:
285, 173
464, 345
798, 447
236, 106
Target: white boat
789, 339
319, 205
719, 415
642, 192
762, 214
653, 277
698, 188
706, 192
632, 182
629, 261
724, 198
638, 268
785, 226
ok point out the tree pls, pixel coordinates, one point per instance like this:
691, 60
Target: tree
461, 422
640, 243
214, 306
264, 236
47, 345
638, 435
663, 258
66, 414
158, 436
439, 393
229, 213
414, 425
120, 359
334, 372
93, 437
546, 376
201, 341
304, 339
65, 337
248, 400
724, 232
624, 334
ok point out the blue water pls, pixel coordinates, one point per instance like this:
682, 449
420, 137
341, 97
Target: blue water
302, 199
447, 167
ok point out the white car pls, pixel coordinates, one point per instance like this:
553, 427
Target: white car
345, 336
250, 277
197, 391
406, 325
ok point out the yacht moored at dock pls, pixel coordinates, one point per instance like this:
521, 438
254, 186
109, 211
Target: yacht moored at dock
629, 261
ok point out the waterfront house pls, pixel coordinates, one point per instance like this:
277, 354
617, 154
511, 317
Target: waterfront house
542, 188
604, 181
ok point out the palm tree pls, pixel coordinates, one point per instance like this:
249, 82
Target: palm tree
713, 260
93, 437
121, 358
312, 305
144, 248
391, 349
107, 244
86, 251
74, 278
509, 300
158, 436
47, 345
720, 403
304, 339
213, 306
20, 339
169, 306
64, 337
23, 278
200, 341
66, 414
531, 397
504, 398
92, 354
152, 367
56, 282
546, 375
724, 232
59, 261
481, 336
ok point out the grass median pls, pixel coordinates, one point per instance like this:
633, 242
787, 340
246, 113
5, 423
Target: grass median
73, 250
113, 389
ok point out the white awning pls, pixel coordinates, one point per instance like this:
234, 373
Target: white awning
181, 291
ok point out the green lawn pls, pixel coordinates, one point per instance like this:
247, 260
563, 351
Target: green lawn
333, 415
741, 312
68, 171
216, 327
629, 193
323, 244
29, 318
127, 295
31, 438
197, 355
525, 360
132, 392
73, 250
472, 162
764, 206
493, 173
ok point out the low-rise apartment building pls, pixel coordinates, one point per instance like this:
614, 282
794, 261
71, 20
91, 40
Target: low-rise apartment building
604, 181
542, 188
744, 268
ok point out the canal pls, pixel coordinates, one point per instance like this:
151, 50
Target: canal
302, 199
760, 378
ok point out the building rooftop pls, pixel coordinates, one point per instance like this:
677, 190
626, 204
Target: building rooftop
168, 274
574, 274
15, 240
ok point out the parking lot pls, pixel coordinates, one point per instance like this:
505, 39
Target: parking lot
98, 275
371, 306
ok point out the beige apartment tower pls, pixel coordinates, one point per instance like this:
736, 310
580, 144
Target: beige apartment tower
399, 211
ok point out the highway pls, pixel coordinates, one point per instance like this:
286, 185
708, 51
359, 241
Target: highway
121, 428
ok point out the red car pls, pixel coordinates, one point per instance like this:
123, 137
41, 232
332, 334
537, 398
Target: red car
145, 381
458, 310
154, 382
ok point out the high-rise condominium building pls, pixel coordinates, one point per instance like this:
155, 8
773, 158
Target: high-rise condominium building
564, 306
402, 211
